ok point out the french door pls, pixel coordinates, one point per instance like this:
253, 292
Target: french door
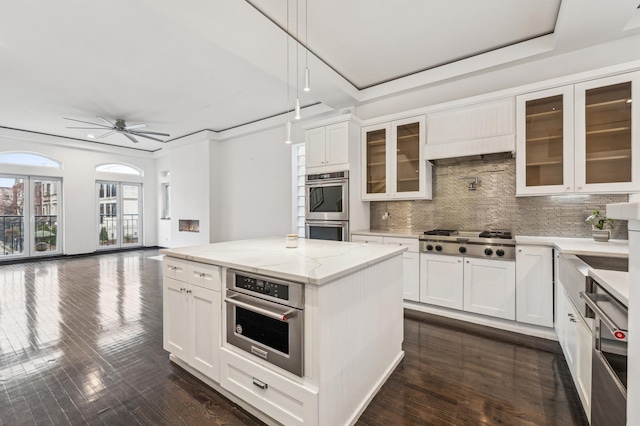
30, 216
119, 214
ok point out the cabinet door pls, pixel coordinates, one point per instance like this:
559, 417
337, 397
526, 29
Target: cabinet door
571, 335
337, 144
490, 287
315, 147
174, 317
375, 165
544, 142
411, 276
584, 341
204, 329
441, 280
534, 285
406, 156
607, 157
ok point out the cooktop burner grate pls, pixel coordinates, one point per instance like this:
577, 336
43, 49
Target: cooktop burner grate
506, 235
442, 232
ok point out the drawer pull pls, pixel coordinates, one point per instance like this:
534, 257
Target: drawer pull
260, 384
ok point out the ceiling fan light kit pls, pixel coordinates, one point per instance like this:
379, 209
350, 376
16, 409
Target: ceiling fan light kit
130, 131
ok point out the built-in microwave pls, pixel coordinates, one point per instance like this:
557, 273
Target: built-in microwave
327, 196
332, 230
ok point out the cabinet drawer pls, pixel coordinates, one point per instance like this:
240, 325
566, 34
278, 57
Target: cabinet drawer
367, 239
411, 243
174, 268
203, 275
280, 398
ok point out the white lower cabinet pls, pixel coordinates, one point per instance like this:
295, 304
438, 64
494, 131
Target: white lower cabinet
410, 259
191, 323
490, 287
442, 280
285, 401
575, 338
480, 286
534, 285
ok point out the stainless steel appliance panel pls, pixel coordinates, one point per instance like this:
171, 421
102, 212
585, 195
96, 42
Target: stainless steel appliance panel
330, 230
265, 318
327, 196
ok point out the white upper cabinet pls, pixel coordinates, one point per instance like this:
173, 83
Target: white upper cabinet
393, 161
580, 139
327, 146
483, 128
607, 139
544, 159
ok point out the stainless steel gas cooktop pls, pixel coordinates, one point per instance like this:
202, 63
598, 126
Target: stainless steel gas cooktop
494, 244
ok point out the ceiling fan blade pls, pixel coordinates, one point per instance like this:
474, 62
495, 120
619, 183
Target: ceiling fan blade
107, 134
87, 128
87, 122
144, 132
145, 136
106, 121
135, 126
131, 138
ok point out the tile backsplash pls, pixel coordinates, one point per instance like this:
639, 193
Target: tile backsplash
493, 205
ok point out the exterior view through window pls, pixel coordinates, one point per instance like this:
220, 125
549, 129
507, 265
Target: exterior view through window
119, 214
29, 200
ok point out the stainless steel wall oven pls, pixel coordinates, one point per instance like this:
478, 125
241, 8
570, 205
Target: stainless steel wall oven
265, 317
327, 196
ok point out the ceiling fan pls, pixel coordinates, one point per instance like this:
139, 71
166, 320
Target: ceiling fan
120, 126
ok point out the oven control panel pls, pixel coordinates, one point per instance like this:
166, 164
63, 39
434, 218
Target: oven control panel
277, 290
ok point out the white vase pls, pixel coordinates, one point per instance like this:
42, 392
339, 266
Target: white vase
601, 235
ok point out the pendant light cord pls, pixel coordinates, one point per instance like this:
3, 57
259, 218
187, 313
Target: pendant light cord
287, 39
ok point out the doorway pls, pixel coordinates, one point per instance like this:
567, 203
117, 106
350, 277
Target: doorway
119, 215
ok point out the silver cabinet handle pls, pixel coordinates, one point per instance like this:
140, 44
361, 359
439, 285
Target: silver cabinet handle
280, 316
260, 384
606, 319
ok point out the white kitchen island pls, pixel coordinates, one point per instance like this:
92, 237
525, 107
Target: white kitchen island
353, 325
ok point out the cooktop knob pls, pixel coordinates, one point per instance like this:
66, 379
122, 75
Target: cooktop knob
438, 247
500, 252
462, 249
429, 247
488, 251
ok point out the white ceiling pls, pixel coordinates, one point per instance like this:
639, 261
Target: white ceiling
183, 67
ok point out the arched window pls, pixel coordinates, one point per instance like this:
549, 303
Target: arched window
28, 159
119, 168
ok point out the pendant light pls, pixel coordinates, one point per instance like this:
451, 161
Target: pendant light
297, 116
287, 127
307, 73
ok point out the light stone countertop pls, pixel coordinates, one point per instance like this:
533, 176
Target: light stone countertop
615, 282
614, 248
312, 262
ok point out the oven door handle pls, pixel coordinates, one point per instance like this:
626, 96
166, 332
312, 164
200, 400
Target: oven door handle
280, 316
606, 319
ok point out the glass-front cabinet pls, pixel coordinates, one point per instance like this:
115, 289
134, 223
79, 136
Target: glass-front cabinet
393, 161
544, 155
581, 138
606, 128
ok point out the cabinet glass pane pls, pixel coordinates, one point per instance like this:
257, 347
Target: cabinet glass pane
544, 141
608, 133
408, 157
376, 162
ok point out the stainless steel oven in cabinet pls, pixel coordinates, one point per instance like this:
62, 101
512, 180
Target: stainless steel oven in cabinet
265, 318
327, 196
332, 230
609, 361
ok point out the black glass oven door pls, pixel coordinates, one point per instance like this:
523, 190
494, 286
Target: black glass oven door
259, 328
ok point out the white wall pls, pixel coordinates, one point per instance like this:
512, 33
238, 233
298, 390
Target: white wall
79, 177
255, 192
163, 165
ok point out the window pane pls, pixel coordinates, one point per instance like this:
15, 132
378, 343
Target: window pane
130, 214
27, 159
45, 215
108, 230
11, 216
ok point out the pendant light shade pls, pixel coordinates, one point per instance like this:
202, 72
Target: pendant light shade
287, 132
307, 80
297, 116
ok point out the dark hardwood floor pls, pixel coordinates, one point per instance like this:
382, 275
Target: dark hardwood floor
81, 343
